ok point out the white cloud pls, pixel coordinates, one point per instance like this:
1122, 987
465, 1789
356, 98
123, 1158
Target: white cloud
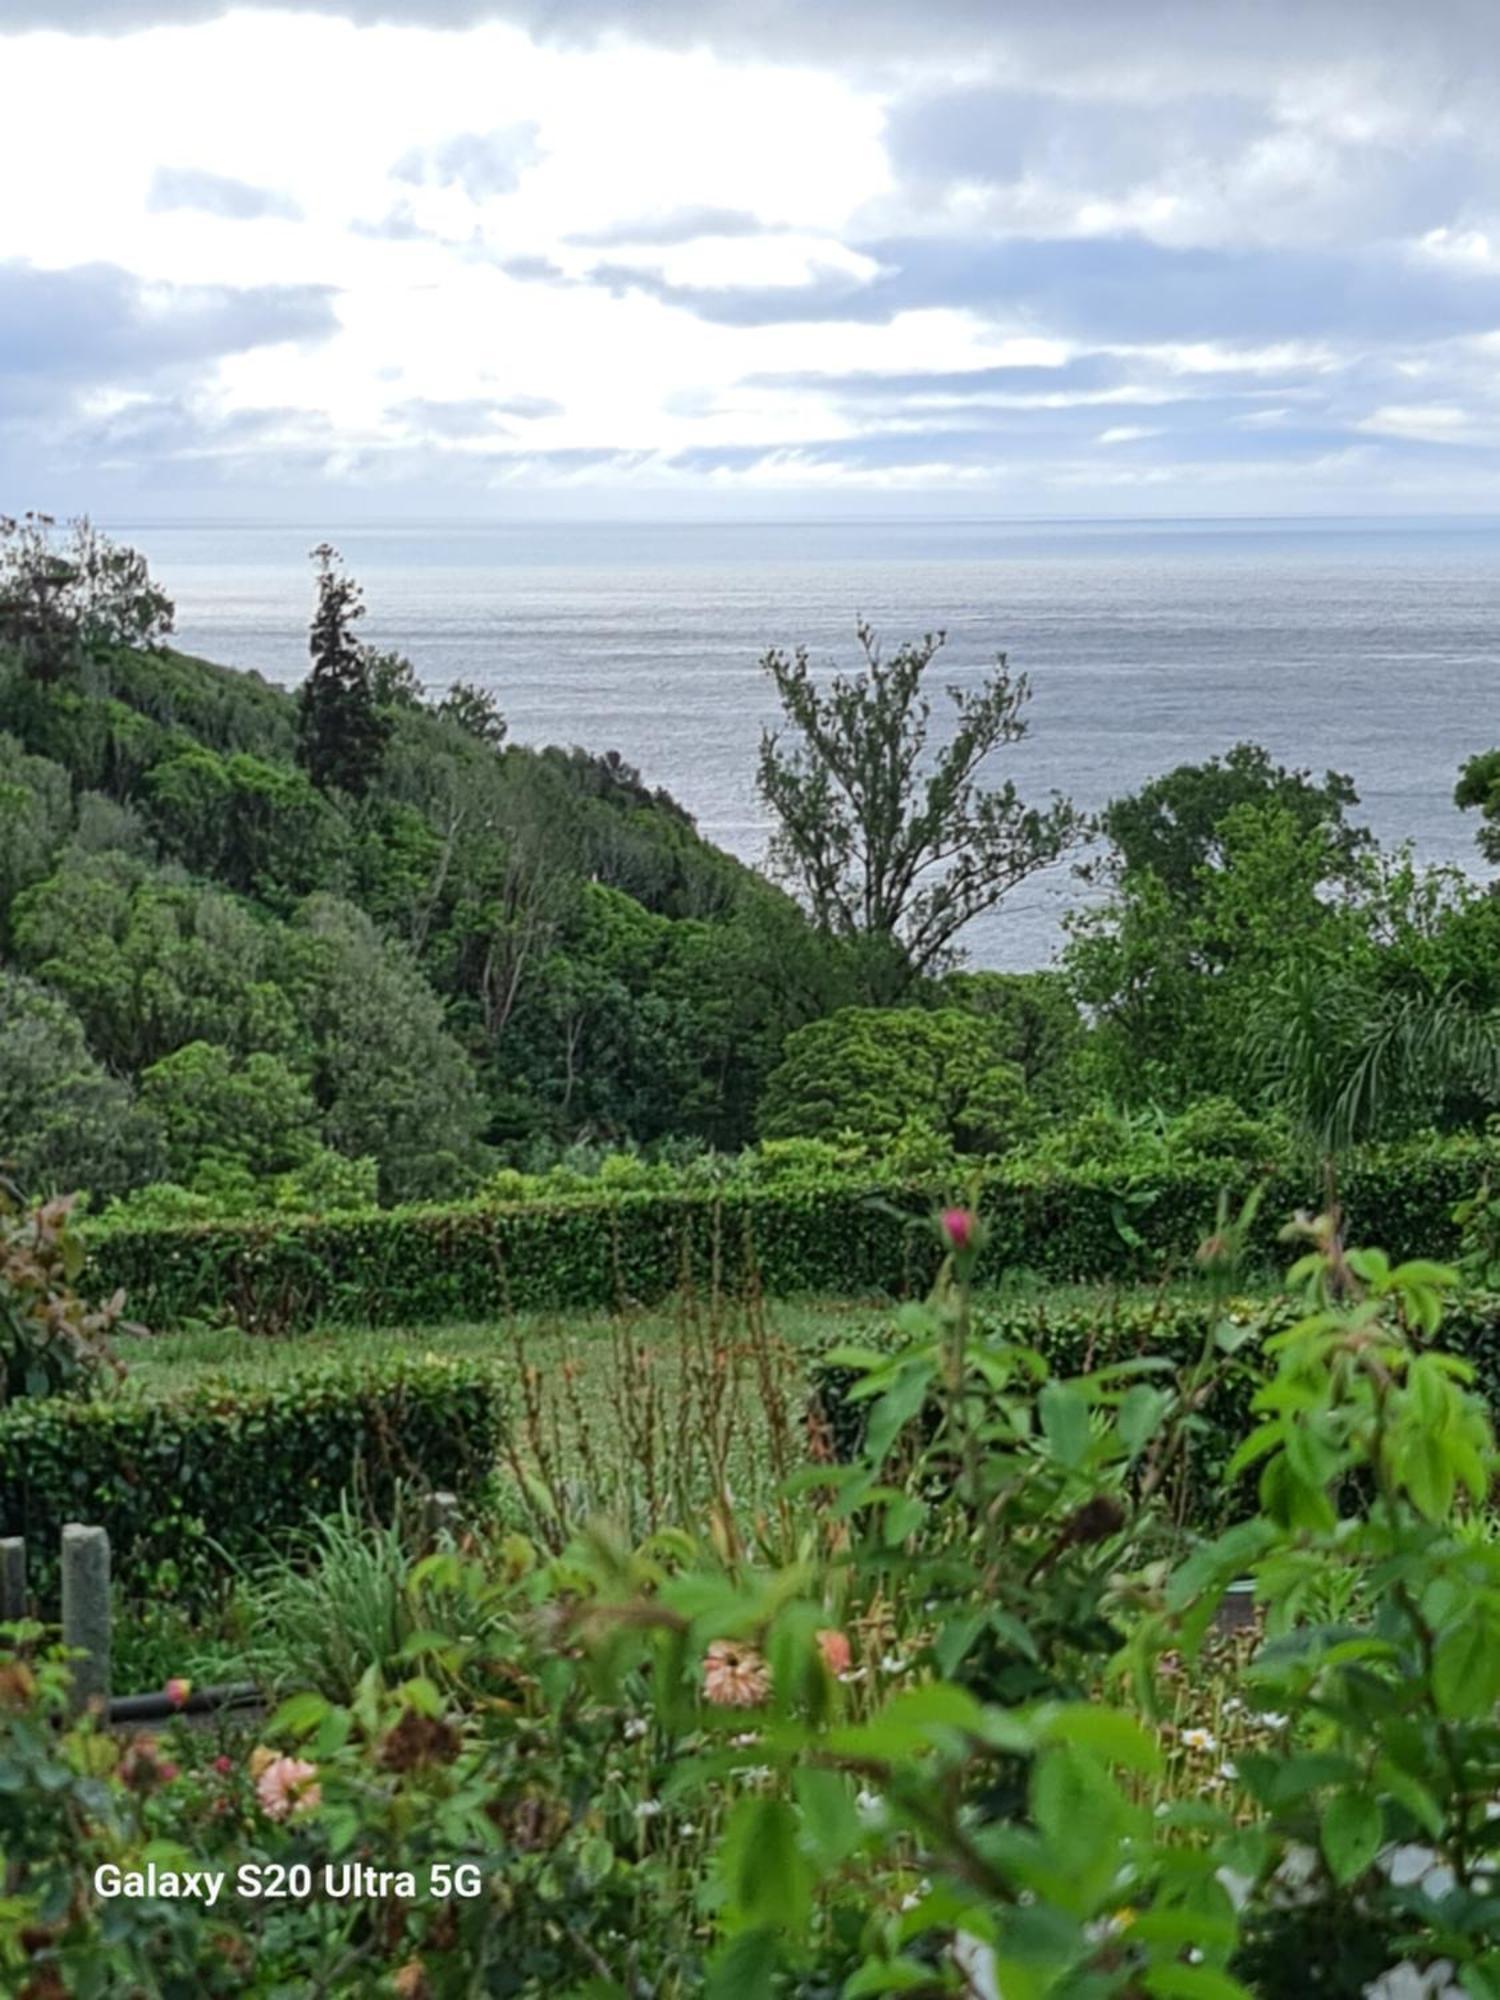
580, 253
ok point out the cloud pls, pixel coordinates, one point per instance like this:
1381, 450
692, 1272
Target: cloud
464, 417
217, 194
679, 225
1129, 49
95, 324
481, 163
1109, 291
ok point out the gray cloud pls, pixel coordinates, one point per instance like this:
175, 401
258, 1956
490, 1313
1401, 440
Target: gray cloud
1098, 37
217, 194
1106, 290
481, 163
96, 325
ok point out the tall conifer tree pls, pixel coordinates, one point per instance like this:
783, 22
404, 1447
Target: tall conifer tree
342, 735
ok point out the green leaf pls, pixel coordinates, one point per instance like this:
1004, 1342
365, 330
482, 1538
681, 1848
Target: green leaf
1064, 1413
765, 1872
595, 1859
745, 1969
1110, 1734
1193, 1982
888, 1975
831, 1825
1352, 1830
1466, 1664
298, 1715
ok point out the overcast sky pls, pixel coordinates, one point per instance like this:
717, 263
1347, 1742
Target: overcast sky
1084, 257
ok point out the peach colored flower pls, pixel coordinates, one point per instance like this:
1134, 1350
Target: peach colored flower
734, 1676
288, 1786
260, 1758
834, 1646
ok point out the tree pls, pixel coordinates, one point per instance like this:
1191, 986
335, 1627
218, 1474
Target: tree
475, 710
877, 1072
1175, 824
390, 1081
65, 1122
886, 840
1479, 785
256, 1114
57, 607
342, 732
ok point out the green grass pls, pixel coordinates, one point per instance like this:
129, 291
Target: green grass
161, 1362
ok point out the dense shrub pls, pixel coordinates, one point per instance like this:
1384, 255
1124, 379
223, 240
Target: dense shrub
197, 1481
1075, 1338
825, 1234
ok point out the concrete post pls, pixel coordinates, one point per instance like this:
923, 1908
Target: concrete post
85, 1610
12, 1580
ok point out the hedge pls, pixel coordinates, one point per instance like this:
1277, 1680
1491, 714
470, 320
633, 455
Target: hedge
1076, 1338
192, 1484
835, 1237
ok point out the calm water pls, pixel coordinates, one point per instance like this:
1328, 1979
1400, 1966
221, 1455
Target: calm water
1369, 647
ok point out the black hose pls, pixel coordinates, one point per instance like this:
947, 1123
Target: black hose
200, 1701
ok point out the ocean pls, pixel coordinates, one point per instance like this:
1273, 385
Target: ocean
1371, 647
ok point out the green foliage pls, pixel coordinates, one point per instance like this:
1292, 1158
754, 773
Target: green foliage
342, 734
217, 1475
800, 1233
256, 1113
53, 1343
888, 842
1373, 1455
1175, 826
65, 1123
258, 828
476, 711
60, 607
871, 1072
1479, 785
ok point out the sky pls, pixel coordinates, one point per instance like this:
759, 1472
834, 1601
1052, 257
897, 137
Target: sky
524, 258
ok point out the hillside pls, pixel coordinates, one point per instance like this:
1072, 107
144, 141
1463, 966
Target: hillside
214, 970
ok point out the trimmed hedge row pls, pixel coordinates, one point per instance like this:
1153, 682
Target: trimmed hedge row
1077, 1338
838, 1238
188, 1485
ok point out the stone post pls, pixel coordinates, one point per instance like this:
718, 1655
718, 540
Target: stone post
85, 1609
12, 1580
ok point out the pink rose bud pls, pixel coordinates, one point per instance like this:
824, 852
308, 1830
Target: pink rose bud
223, 1765
957, 1225
177, 1691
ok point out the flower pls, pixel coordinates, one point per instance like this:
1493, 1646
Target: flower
892, 1663
223, 1765
649, 1809
177, 1691
834, 1646
141, 1769
1199, 1739
1271, 1720
734, 1676
636, 1728
288, 1787
958, 1226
